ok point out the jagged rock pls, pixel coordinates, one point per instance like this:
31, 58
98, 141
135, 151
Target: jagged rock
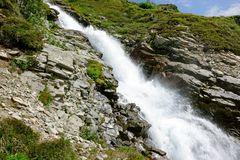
156, 150
52, 15
63, 59
217, 92
190, 69
58, 72
159, 41
80, 84
4, 55
230, 83
75, 122
111, 94
42, 58
13, 52
20, 101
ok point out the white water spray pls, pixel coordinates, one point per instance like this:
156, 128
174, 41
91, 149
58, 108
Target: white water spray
175, 129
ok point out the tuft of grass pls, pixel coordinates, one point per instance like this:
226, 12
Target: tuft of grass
24, 64
88, 134
125, 152
54, 150
53, 41
45, 96
132, 21
95, 72
20, 142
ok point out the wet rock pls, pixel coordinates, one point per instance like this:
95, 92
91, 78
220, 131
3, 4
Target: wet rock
52, 15
111, 94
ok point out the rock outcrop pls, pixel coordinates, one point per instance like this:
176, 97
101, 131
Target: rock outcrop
77, 103
210, 77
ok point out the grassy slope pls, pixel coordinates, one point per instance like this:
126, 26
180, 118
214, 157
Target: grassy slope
128, 19
22, 23
20, 142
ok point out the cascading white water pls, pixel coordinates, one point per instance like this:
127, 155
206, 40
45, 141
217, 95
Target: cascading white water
175, 128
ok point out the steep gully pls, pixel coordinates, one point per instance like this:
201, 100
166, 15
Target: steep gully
175, 127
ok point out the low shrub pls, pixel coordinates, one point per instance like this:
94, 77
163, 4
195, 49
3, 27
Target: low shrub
45, 96
59, 149
24, 64
125, 152
88, 134
16, 137
20, 142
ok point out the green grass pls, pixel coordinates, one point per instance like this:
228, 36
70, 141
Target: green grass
24, 24
45, 96
20, 142
24, 64
95, 72
132, 21
128, 153
54, 150
16, 32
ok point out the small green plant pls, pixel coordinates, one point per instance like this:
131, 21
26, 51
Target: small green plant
125, 152
17, 156
24, 64
53, 41
45, 96
95, 72
88, 134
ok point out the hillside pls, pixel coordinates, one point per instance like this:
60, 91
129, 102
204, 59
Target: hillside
197, 56
58, 99
138, 22
61, 99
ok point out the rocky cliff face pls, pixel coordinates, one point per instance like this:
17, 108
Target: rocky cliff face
210, 77
53, 94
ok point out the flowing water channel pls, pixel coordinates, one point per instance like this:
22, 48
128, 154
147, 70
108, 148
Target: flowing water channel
175, 127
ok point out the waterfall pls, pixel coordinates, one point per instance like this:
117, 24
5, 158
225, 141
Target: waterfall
175, 127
